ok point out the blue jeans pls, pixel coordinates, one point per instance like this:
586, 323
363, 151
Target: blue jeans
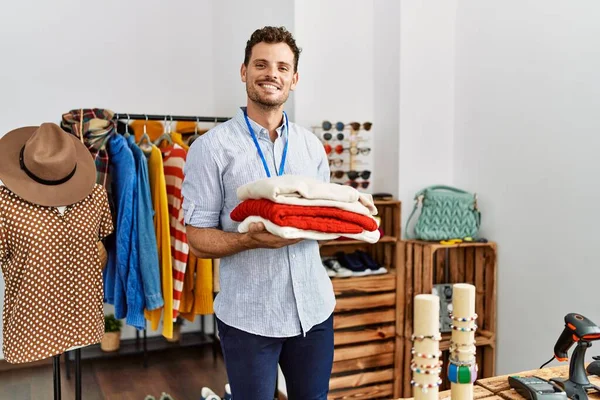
251, 362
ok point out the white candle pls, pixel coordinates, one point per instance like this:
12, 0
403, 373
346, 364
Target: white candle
426, 346
463, 306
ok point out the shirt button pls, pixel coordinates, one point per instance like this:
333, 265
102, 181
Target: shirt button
293, 256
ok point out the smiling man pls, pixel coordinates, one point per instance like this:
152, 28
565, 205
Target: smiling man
276, 300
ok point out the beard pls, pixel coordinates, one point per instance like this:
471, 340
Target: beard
265, 102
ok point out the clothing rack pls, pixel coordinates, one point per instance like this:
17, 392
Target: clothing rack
212, 337
158, 117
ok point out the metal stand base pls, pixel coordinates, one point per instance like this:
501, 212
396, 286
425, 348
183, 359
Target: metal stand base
574, 390
56, 374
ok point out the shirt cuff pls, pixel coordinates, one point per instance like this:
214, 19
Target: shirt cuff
201, 218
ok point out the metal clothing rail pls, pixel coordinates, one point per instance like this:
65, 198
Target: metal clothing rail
158, 117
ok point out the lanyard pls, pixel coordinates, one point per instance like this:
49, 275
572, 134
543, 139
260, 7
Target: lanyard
260, 153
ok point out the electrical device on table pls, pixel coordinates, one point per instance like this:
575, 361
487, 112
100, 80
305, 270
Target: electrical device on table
594, 367
533, 387
578, 329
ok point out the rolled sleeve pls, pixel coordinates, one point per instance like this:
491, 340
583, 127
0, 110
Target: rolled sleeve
202, 188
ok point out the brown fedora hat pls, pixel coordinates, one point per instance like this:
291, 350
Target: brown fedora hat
47, 166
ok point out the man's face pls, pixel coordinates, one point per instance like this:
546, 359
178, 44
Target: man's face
270, 74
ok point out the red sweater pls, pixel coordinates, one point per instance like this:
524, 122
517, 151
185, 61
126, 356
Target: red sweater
321, 219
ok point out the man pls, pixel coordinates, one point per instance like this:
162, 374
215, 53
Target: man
276, 300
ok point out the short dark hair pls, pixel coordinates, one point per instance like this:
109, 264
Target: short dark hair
272, 34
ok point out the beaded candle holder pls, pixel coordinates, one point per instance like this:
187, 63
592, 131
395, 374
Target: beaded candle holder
426, 366
462, 368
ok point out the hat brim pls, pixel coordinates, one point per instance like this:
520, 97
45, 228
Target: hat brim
14, 178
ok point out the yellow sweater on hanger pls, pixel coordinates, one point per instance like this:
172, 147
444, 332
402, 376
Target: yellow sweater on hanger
158, 189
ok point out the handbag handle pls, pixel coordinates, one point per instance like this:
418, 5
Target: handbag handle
408, 233
444, 187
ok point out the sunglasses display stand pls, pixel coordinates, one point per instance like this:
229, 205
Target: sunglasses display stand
348, 152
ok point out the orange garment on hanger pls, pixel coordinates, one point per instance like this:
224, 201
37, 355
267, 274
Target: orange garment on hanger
153, 128
197, 296
189, 127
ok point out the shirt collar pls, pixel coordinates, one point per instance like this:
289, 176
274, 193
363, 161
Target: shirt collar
260, 131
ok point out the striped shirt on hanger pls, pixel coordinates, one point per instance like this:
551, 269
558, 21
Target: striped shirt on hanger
174, 162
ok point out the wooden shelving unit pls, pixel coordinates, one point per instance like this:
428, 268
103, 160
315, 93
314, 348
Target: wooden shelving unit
366, 316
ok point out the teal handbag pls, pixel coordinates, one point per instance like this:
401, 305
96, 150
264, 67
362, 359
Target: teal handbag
446, 213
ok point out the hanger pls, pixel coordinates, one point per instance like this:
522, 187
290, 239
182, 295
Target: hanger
127, 134
196, 135
167, 134
145, 143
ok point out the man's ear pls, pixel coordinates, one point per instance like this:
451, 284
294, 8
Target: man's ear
243, 70
294, 81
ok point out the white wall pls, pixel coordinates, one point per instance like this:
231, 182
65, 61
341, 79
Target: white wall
135, 56
386, 98
236, 22
336, 65
526, 138
426, 96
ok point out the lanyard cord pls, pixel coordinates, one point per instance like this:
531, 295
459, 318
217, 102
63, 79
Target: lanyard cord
260, 153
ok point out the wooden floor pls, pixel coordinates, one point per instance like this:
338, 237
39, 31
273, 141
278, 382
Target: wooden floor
180, 373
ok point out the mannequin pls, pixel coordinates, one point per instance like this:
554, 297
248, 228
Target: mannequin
49, 199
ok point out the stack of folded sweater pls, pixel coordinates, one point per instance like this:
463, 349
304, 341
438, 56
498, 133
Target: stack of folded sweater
298, 207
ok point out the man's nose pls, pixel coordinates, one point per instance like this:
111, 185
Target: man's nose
272, 73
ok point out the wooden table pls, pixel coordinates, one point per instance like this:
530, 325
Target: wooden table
498, 387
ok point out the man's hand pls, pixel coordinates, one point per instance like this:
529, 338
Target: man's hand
259, 237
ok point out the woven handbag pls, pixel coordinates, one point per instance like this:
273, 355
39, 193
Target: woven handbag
446, 213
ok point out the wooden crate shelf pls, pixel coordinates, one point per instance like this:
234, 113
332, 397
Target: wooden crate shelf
383, 239
365, 317
424, 264
365, 284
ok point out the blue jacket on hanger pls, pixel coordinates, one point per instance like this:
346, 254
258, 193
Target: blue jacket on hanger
148, 250
122, 248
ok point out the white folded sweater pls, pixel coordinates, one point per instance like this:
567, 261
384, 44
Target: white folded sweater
306, 191
288, 232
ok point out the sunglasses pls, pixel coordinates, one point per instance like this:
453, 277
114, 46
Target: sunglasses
355, 184
326, 125
328, 136
336, 162
338, 149
356, 126
362, 150
336, 174
356, 174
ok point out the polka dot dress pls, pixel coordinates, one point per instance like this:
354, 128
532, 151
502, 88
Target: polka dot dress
51, 267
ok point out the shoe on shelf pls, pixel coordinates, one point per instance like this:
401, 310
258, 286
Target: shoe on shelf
330, 271
165, 396
371, 264
208, 394
354, 263
227, 395
335, 269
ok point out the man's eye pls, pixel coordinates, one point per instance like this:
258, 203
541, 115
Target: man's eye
260, 65
284, 69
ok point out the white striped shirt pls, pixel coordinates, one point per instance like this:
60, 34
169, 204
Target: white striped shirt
268, 292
